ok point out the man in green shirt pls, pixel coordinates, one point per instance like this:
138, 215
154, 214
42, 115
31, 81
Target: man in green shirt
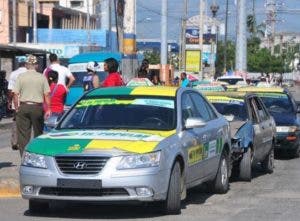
30, 92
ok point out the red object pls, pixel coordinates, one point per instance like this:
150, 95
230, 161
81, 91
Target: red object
113, 80
58, 98
291, 138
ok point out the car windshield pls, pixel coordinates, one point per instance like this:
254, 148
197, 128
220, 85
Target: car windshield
79, 77
237, 109
122, 113
277, 102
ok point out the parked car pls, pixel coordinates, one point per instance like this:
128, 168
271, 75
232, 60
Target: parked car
282, 106
253, 130
129, 144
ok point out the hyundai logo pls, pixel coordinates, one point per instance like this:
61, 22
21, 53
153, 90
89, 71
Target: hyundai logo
80, 165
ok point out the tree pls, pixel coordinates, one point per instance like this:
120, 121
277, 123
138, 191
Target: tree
152, 56
220, 57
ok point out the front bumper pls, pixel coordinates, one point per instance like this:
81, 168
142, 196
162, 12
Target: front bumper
287, 141
116, 185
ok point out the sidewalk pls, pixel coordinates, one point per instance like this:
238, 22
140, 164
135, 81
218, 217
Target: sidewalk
10, 161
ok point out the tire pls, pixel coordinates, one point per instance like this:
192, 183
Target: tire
268, 163
221, 182
245, 173
172, 205
36, 206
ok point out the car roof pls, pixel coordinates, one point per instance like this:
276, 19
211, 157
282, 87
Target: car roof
142, 90
94, 56
262, 89
233, 94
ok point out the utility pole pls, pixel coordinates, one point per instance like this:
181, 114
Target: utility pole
164, 44
129, 41
88, 24
270, 23
214, 9
201, 11
241, 38
226, 33
183, 47
34, 22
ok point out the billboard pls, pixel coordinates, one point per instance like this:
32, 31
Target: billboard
192, 60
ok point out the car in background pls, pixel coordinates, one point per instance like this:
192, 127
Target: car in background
284, 109
140, 144
232, 79
253, 130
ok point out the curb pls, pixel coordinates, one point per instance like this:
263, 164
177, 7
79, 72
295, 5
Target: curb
9, 188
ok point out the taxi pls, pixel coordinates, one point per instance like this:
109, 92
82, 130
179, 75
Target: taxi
282, 106
121, 144
253, 130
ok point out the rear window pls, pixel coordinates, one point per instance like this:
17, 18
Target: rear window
231, 81
122, 113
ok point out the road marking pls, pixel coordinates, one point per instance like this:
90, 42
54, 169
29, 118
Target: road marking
7, 192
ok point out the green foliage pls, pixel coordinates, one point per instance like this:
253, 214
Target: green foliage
220, 57
153, 57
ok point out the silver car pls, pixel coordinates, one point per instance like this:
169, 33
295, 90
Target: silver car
129, 144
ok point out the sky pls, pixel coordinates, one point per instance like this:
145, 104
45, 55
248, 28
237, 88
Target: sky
149, 13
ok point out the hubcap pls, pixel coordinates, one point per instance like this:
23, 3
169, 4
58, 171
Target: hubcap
224, 172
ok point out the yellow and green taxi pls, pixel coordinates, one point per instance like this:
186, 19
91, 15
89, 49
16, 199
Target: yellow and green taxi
129, 144
283, 108
253, 130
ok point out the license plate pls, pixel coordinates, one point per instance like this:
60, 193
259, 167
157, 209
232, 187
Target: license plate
79, 183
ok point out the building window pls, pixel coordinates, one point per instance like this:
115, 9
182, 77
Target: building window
76, 4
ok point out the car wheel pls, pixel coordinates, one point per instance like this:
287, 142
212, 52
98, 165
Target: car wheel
245, 166
36, 206
221, 181
172, 205
268, 163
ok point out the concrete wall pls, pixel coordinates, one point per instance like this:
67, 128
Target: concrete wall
4, 22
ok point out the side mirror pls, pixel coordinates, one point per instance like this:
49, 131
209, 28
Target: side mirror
229, 118
193, 122
51, 122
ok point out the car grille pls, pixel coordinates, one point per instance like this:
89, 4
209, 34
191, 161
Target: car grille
81, 165
56, 191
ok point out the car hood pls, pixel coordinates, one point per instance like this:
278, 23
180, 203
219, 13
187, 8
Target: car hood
235, 126
114, 142
285, 119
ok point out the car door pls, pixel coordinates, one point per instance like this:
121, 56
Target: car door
266, 127
212, 137
257, 130
191, 140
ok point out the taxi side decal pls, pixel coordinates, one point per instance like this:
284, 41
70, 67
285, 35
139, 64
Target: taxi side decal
195, 154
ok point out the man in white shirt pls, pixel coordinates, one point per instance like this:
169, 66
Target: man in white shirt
63, 72
13, 78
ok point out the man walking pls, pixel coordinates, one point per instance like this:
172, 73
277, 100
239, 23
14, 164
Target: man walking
30, 91
65, 77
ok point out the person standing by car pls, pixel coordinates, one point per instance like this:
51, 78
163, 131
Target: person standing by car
57, 94
184, 80
91, 79
30, 91
65, 77
114, 78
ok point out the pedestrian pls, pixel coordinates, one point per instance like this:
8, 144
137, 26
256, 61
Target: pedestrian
91, 79
144, 71
65, 77
114, 78
30, 91
11, 84
57, 95
3, 94
184, 80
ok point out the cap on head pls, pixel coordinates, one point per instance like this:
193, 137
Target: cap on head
31, 59
92, 66
22, 59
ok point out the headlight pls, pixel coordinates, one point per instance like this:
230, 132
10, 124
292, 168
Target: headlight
286, 129
34, 160
140, 161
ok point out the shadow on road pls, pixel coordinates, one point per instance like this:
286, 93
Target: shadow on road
6, 164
